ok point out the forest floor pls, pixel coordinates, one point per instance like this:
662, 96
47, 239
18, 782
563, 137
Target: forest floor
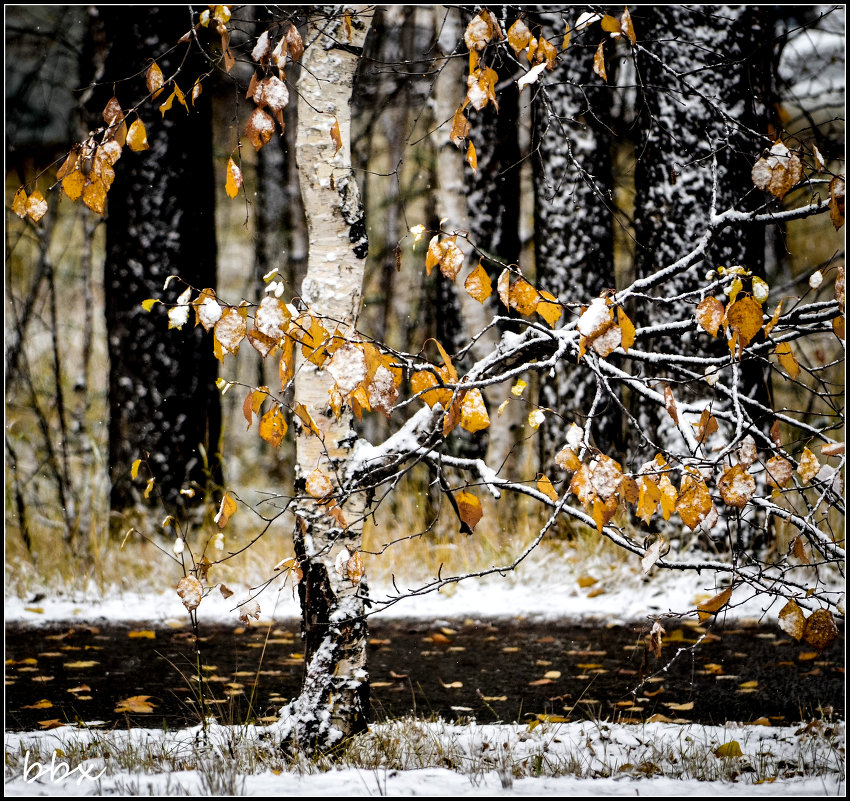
549, 754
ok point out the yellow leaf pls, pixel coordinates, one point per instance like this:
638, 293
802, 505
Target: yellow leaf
610, 24
42, 704
519, 36
694, 501
225, 511
730, 750
567, 33
154, 80
230, 330
460, 127
648, 497
549, 308
792, 620
472, 157
473, 412
626, 26
136, 704
273, 426
707, 426
567, 460
137, 137
19, 203
319, 485
478, 284
134, 469
234, 179
144, 634
149, 488
627, 330
523, 297
73, 185
545, 486
745, 317
773, 320
309, 426
736, 487
786, 358
599, 63
713, 605
779, 471
809, 466
469, 509
778, 171
669, 496
36, 206
81, 665
709, 314
336, 137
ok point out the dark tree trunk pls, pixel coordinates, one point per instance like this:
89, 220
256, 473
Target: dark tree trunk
160, 221
700, 136
573, 221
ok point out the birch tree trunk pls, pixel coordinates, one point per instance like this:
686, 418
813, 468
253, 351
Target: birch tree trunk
334, 699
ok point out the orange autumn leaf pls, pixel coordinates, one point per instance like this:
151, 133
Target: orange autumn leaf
234, 179
478, 284
469, 509
273, 426
226, 510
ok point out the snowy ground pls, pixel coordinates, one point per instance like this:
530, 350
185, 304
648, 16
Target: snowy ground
601, 759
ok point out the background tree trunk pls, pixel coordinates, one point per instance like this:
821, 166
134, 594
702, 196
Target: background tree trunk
573, 222
162, 395
334, 700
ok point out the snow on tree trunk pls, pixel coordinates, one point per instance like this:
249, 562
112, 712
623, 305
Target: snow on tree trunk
574, 235
162, 395
334, 699
697, 140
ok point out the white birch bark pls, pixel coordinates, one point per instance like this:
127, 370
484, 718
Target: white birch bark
333, 703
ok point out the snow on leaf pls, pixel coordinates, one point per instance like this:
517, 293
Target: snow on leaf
710, 314
581, 486
348, 368
519, 36
809, 466
135, 705
524, 297
669, 496
792, 620
606, 476
531, 76
599, 63
836, 201
383, 390
608, 341
354, 568
469, 509
778, 171
626, 26
478, 284
481, 30
652, 555
545, 486
785, 354
273, 94
748, 452
820, 629
713, 605
736, 487
294, 43
779, 471
190, 591
596, 319
473, 412
36, 206
567, 460
234, 179
154, 80
260, 128
536, 418
761, 289
272, 318
319, 485
248, 608
137, 137
586, 19
226, 510
230, 330
262, 49
273, 426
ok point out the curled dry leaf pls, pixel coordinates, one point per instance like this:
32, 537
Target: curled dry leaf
260, 128
820, 630
670, 404
248, 608
778, 171
190, 591
714, 605
836, 201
